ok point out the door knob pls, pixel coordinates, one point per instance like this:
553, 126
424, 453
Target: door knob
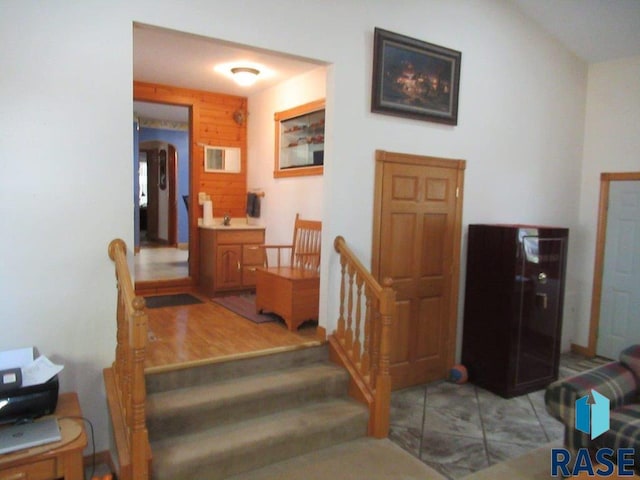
542, 277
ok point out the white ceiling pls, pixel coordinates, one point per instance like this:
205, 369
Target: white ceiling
184, 60
595, 30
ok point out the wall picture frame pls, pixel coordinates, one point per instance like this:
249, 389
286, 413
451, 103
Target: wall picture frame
299, 140
414, 79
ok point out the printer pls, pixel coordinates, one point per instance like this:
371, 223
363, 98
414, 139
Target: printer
23, 403
28, 388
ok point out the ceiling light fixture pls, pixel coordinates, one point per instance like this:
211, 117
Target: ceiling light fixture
245, 76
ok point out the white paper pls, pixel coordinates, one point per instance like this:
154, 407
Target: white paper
39, 371
17, 358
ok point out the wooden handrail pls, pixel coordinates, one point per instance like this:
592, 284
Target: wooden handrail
124, 381
361, 341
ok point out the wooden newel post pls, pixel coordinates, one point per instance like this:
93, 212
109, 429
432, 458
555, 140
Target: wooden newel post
139, 434
338, 243
117, 250
383, 382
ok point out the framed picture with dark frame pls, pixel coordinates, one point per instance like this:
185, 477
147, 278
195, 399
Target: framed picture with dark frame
414, 79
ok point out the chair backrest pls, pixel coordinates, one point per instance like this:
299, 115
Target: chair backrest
306, 244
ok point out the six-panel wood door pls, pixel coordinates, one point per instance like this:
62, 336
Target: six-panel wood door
417, 244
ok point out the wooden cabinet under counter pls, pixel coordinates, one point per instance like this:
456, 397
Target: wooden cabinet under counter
229, 257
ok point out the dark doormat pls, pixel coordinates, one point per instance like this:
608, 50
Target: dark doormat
245, 306
171, 300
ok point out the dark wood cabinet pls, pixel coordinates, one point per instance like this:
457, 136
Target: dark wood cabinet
513, 306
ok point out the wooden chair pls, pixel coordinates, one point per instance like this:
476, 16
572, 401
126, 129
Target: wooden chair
291, 289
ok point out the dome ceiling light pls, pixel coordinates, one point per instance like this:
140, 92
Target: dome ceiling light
245, 76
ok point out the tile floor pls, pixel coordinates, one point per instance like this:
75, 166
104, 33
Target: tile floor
161, 263
460, 429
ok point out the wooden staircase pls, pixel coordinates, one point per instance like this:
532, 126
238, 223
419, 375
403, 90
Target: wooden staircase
218, 420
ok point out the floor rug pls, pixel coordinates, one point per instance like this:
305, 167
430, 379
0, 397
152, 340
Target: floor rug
171, 300
245, 306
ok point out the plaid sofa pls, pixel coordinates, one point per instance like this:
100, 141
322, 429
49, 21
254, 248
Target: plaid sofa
620, 383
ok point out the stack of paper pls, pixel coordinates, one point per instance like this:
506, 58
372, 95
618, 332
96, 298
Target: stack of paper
34, 371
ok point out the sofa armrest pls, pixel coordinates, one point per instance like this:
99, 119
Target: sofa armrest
613, 380
630, 358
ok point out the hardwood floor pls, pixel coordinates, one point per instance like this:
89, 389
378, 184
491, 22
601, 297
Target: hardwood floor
208, 332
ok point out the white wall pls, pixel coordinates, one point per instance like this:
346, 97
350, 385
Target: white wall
284, 197
65, 92
612, 144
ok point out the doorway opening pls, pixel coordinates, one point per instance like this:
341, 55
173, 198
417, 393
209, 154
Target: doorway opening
161, 185
177, 68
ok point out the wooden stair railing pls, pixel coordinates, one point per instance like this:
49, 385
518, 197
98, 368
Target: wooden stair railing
124, 380
361, 342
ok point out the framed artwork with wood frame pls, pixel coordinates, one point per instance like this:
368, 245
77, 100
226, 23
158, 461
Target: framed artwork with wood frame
414, 79
299, 141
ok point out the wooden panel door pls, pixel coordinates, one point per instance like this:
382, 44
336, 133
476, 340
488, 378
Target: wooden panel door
417, 244
172, 170
153, 199
621, 275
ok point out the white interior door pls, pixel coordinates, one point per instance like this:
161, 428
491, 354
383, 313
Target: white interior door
619, 321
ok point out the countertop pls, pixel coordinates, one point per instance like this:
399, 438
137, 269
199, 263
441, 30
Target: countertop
236, 224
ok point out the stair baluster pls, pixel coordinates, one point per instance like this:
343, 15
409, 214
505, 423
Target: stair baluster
357, 347
366, 358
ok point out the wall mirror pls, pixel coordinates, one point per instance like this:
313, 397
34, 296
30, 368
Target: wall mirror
222, 159
300, 140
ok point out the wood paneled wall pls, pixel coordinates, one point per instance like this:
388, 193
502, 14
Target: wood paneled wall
212, 123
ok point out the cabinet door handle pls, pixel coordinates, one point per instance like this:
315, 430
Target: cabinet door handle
239, 265
254, 248
252, 269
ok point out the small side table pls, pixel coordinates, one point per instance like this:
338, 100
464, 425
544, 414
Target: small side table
62, 459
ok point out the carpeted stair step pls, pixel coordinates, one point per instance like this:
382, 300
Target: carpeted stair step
364, 458
190, 410
197, 375
220, 452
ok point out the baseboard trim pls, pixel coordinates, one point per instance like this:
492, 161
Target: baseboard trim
580, 350
103, 457
321, 333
